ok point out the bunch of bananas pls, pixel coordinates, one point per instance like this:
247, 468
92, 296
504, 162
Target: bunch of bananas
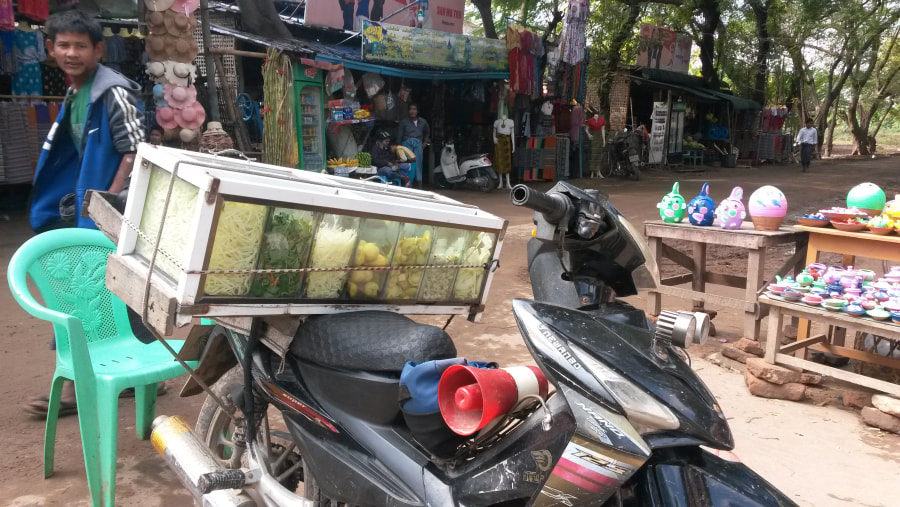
343, 162
365, 159
361, 114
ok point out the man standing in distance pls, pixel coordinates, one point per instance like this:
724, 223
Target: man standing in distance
808, 138
414, 133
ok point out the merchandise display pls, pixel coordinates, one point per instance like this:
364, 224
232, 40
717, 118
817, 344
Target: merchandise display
767, 207
731, 212
701, 210
672, 206
868, 197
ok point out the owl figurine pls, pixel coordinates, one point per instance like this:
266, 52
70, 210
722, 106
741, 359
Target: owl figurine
702, 209
672, 206
731, 212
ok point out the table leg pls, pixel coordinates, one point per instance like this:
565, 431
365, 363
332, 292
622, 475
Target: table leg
698, 284
773, 338
812, 255
755, 264
655, 297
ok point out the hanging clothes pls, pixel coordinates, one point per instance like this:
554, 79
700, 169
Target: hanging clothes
37, 10
7, 16
27, 81
503, 154
53, 81
8, 63
574, 40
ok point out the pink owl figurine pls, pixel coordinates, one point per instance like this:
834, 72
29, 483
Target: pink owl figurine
731, 212
701, 210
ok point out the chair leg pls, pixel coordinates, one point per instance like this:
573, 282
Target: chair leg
145, 407
89, 428
108, 407
50, 431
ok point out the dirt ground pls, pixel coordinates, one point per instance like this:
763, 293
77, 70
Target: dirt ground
816, 451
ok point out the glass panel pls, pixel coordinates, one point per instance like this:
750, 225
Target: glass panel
448, 248
178, 219
311, 121
412, 250
285, 245
238, 236
377, 239
479, 250
332, 248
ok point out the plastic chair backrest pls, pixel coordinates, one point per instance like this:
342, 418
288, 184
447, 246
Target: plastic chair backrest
68, 267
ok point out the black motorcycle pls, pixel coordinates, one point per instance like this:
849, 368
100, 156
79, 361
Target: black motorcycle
623, 426
622, 157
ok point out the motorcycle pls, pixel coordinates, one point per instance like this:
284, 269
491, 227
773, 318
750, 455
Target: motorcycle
472, 171
624, 155
625, 425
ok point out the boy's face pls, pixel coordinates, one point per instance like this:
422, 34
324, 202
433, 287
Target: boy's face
75, 54
156, 137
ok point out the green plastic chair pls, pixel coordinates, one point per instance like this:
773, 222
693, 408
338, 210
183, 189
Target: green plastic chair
95, 346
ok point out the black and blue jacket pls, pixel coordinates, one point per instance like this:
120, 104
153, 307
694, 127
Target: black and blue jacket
112, 128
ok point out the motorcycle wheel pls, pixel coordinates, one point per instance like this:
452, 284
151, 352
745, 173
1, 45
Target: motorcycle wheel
493, 180
216, 429
440, 181
635, 173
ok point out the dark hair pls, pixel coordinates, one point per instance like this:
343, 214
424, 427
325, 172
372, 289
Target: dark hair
158, 129
74, 21
809, 120
412, 104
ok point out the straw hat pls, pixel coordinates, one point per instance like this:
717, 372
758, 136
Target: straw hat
179, 97
180, 74
156, 22
214, 127
159, 98
156, 47
178, 23
191, 117
185, 6
156, 71
166, 117
170, 47
171, 134
158, 5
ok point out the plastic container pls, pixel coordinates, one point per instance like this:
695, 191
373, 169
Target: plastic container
449, 245
333, 247
377, 240
479, 250
412, 250
286, 244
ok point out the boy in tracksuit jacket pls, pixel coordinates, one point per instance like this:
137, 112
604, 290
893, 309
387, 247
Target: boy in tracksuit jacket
90, 146
92, 143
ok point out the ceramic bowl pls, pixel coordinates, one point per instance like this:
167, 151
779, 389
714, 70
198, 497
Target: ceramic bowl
847, 227
802, 289
895, 316
840, 217
856, 311
834, 303
891, 306
869, 305
812, 222
881, 231
878, 314
776, 289
813, 299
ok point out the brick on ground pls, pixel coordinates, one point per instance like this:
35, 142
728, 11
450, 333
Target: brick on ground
772, 372
749, 346
886, 404
856, 399
874, 417
758, 387
735, 354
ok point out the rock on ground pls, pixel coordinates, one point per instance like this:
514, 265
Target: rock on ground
856, 399
758, 387
874, 417
887, 404
735, 354
772, 372
749, 346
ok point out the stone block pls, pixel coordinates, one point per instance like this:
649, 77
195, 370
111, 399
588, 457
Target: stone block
749, 346
736, 354
765, 389
874, 417
810, 378
886, 404
772, 372
856, 399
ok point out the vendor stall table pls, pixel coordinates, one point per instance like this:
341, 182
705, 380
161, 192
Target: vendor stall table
848, 244
778, 308
755, 242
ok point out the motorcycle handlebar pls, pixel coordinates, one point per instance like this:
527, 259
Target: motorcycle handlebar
554, 207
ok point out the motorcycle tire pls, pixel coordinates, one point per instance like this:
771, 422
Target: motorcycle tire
215, 429
441, 182
635, 173
492, 180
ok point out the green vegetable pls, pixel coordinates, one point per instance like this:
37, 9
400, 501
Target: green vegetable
285, 246
469, 281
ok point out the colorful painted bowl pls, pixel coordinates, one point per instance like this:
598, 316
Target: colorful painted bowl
834, 304
891, 306
869, 304
879, 314
813, 299
776, 289
848, 226
895, 316
881, 231
812, 222
855, 309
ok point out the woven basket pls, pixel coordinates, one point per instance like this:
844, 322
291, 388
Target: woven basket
766, 223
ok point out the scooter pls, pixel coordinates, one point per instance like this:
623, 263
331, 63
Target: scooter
472, 171
624, 424
625, 160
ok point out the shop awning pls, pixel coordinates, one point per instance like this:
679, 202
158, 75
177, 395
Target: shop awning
351, 57
701, 94
692, 85
738, 103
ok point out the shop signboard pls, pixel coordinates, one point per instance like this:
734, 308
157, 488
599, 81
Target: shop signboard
441, 15
661, 48
658, 132
396, 44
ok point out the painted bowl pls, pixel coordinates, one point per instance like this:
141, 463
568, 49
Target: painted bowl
891, 306
848, 226
855, 309
869, 304
895, 316
813, 299
881, 231
812, 222
802, 289
776, 289
840, 217
878, 314
834, 303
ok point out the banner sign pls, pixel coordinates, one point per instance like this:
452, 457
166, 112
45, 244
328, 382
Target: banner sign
660, 48
429, 48
440, 15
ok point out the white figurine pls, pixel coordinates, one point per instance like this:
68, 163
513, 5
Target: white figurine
504, 147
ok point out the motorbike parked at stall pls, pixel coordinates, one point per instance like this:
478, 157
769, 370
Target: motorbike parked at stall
623, 154
625, 425
472, 171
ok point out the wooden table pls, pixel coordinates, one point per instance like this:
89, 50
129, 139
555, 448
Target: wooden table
850, 245
775, 354
755, 242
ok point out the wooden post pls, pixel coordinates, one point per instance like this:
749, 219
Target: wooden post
755, 265
656, 297
699, 281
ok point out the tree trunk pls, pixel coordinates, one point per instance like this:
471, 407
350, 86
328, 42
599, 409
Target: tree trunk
260, 17
487, 18
829, 133
609, 63
709, 9
763, 47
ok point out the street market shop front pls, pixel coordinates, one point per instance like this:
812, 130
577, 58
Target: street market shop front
690, 125
342, 94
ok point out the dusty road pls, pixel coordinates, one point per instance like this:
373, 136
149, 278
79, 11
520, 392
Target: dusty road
819, 455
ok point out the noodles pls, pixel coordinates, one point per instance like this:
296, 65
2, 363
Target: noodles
468, 283
332, 249
176, 234
235, 246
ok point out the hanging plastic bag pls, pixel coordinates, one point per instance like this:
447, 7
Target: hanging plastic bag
349, 85
372, 83
389, 101
404, 93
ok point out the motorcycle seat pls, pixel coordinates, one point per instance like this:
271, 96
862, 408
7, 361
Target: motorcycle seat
471, 157
374, 341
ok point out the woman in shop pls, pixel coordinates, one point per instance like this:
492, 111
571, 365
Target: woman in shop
415, 133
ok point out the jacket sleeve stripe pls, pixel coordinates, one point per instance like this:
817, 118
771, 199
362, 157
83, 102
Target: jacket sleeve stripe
131, 121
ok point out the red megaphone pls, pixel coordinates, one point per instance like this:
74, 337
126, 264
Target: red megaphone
470, 398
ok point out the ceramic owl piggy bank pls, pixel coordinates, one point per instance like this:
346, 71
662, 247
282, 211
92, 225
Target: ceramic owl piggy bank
731, 212
702, 209
672, 206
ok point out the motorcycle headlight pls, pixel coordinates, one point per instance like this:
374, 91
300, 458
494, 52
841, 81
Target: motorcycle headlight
641, 409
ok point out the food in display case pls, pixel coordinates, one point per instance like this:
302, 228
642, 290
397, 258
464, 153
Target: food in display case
285, 246
412, 250
377, 239
448, 248
176, 235
469, 280
332, 249
235, 247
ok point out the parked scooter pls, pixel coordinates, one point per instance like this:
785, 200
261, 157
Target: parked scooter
624, 159
472, 171
624, 425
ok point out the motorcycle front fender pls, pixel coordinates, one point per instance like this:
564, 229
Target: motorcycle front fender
694, 477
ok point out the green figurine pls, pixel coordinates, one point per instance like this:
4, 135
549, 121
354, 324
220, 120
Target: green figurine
672, 206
